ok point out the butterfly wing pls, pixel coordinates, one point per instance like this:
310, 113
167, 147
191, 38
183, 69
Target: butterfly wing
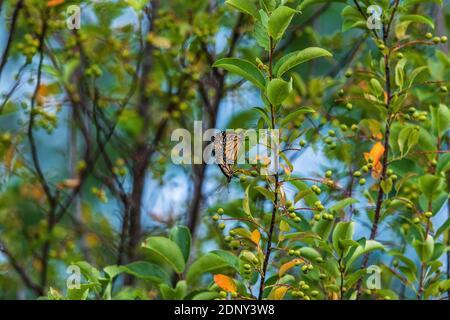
226, 150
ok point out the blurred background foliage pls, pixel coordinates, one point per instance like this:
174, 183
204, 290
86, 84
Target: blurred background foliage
86, 118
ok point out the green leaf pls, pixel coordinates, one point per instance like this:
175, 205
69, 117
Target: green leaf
407, 138
418, 18
430, 185
298, 57
306, 3
377, 89
342, 231
264, 115
89, 272
80, 293
280, 20
424, 249
415, 73
148, 271
407, 3
246, 203
113, 271
370, 245
278, 90
261, 32
245, 6
167, 250
206, 295
400, 73
387, 185
208, 263
343, 204
167, 292
181, 235
293, 115
309, 196
310, 253
266, 193
440, 119
244, 68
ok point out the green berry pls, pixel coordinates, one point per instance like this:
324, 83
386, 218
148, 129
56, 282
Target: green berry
444, 39
302, 143
228, 239
223, 294
331, 133
221, 226
317, 217
428, 35
297, 219
247, 266
291, 252
357, 174
220, 211
349, 73
436, 40
400, 56
428, 214
349, 106
216, 217
354, 127
344, 127
235, 244
291, 209
243, 179
314, 293
328, 174
365, 169
416, 220
362, 181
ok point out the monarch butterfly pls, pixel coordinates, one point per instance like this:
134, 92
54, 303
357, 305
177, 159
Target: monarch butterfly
226, 148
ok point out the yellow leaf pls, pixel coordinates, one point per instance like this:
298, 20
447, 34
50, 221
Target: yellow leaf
70, 183
256, 236
288, 265
278, 293
224, 282
284, 226
159, 42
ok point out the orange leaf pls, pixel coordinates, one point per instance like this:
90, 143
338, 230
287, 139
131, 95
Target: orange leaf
224, 282
376, 153
288, 265
256, 236
54, 3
